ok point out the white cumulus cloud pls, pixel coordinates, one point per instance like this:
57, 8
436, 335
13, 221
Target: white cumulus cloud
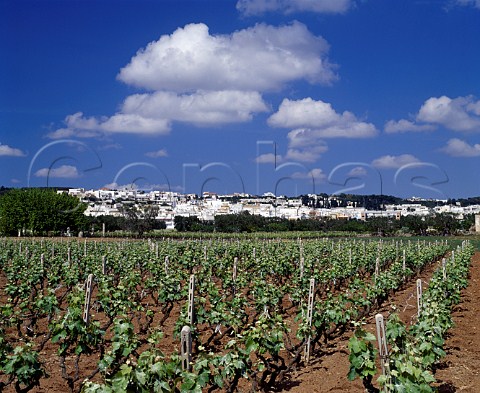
458, 148
317, 174
121, 187
392, 127
303, 113
157, 153
63, 171
471, 3
258, 7
8, 151
302, 154
65, 133
134, 123
317, 119
457, 114
259, 58
200, 108
314, 121
268, 158
81, 126
394, 162
307, 153
357, 172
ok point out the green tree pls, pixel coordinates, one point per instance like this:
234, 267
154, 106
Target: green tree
468, 222
416, 225
445, 224
39, 211
112, 223
140, 219
381, 226
192, 224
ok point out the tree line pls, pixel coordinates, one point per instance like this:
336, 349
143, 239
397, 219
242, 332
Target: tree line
440, 224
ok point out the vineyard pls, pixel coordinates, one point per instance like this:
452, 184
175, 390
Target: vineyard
217, 314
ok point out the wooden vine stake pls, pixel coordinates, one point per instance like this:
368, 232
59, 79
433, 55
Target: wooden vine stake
166, 265
311, 295
53, 250
85, 248
302, 266
69, 255
186, 351
104, 265
382, 344
444, 269
377, 267
191, 299
404, 264
235, 264
234, 274
88, 296
42, 262
156, 250
419, 296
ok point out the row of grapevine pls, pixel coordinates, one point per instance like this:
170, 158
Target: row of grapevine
410, 355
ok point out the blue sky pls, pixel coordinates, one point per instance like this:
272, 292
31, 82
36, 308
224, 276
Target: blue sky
285, 96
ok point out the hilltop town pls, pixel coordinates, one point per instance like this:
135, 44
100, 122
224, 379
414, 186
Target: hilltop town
108, 202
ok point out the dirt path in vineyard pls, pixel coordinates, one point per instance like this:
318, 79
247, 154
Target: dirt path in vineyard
460, 371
